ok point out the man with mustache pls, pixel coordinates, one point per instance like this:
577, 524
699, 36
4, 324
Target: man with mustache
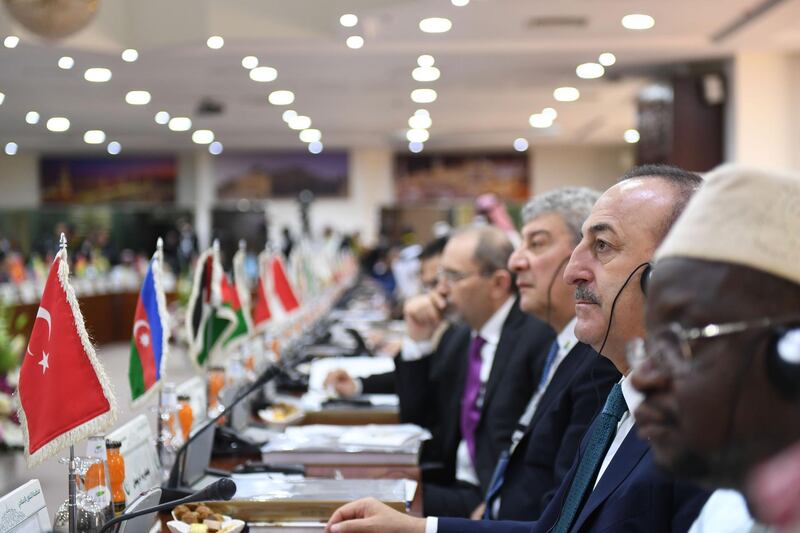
613, 484
720, 366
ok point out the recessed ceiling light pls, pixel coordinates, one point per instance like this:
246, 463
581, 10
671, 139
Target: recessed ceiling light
631, 136
137, 97
550, 113
415, 147
203, 137
32, 117
417, 135
425, 74
250, 62
607, 59
420, 122
310, 135
355, 42
638, 21
130, 55
162, 117
348, 20
215, 42
114, 148
590, 71
566, 94
263, 74
58, 124
94, 137
423, 112
180, 124
315, 147
11, 148
425, 60
11, 41
459, 3
435, 25
97, 75
520, 144
215, 148
538, 120
288, 115
281, 97
66, 63
423, 96
300, 122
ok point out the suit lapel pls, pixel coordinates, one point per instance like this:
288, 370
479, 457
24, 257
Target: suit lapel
504, 352
625, 460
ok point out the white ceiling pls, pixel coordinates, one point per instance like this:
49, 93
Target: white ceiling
496, 69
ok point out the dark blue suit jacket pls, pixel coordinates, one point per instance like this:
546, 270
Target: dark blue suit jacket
550, 443
632, 495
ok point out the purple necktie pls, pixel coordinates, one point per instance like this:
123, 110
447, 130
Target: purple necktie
470, 412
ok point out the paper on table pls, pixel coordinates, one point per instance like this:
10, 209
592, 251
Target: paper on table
355, 366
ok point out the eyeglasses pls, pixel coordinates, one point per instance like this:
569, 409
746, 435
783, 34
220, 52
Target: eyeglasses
454, 276
671, 345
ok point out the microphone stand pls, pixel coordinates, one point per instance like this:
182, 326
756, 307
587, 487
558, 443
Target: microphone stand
174, 480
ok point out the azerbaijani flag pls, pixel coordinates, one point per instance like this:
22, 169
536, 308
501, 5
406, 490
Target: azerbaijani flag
150, 341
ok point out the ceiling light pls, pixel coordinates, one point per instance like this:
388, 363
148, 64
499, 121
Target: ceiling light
162, 117
263, 74
315, 147
2, 98
288, 115
607, 59
425, 60
203, 137
58, 124
281, 97
137, 97
550, 113
114, 148
631, 136
11, 41
300, 122
180, 124
566, 94
215, 148
420, 122
417, 135
638, 22
590, 71
97, 75
32, 117
423, 96
250, 62
425, 74
415, 147
310, 135
459, 3
348, 20
422, 112
215, 42
130, 55
435, 25
94, 137
11, 148
66, 63
539, 120
355, 42
520, 144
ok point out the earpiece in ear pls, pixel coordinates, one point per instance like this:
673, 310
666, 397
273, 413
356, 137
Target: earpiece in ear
783, 361
644, 280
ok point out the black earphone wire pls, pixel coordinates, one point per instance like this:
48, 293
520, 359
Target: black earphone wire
614, 304
550, 288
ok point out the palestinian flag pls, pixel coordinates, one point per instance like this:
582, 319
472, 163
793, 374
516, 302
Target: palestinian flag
232, 304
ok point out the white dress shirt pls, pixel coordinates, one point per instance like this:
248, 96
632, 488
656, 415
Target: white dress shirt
725, 512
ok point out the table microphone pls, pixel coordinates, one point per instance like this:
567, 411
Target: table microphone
222, 489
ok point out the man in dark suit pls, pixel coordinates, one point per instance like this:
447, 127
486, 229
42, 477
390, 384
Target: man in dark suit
575, 381
472, 388
613, 484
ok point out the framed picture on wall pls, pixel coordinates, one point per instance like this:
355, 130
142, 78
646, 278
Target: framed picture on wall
264, 175
436, 177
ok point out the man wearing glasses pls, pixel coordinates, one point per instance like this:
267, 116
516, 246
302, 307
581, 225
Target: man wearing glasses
720, 364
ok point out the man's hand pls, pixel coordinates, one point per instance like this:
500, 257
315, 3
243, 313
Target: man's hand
342, 383
423, 314
369, 515
477, 514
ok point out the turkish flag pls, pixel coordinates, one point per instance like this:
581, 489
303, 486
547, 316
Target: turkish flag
64, 394
283, 288
261, 312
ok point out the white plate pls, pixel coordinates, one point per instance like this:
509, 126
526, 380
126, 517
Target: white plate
176, 526
267, 415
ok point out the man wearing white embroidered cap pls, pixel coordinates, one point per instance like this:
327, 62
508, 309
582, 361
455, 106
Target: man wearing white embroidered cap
720, 368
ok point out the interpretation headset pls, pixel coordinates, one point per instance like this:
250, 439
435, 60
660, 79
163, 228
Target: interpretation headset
550, 287
645, 278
